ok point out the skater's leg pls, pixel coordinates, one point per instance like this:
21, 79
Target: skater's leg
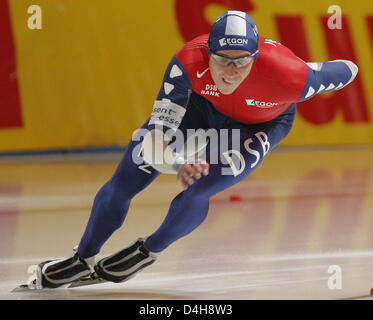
108, 213
112, 202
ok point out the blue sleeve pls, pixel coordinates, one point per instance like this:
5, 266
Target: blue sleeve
328, 76
170, 106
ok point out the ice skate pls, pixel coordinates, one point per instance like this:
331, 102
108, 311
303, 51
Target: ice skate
126, 263
53, 274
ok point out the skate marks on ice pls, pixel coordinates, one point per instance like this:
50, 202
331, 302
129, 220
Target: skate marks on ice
103, 291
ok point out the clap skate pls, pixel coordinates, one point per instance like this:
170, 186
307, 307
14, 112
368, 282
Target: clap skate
126, 263
51, 274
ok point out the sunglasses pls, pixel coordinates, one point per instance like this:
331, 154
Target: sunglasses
237, 62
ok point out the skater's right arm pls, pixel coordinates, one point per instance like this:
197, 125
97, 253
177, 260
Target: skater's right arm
161, 157
189, 172
168, 111
170, 106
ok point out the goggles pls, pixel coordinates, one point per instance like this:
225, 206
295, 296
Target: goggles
237, 62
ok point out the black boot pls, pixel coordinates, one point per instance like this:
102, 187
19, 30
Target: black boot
55, 273
126, 263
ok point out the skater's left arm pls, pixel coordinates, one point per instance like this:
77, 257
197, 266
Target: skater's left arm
328, 76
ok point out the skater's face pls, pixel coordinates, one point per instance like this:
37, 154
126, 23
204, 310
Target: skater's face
229, 74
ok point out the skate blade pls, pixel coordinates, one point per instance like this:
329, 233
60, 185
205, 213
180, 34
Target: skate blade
90, 280
26, 288
22, 288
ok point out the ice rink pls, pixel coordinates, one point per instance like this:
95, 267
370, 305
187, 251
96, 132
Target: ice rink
303, 229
